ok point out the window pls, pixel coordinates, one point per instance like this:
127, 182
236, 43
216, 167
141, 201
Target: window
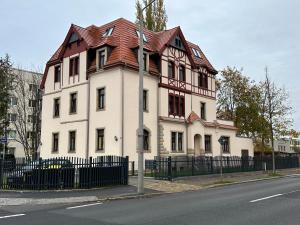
32, 103
101, 58
74, 66
181, 73
12, 117
72, 141
207, 144
225, 145
33, 87
108, 32
180, 141
196, 52
144, 36
12, 134
13, 101
57, 71
178, 42
173, 140
146, 140
145, 100
73, 103
100, 140
171, 69
56, 107
101, 99
145, 61
55, 141
73, 38
203, 110
176, 105
202, 80
176, 141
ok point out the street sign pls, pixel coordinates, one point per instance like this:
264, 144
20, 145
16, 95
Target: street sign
221, 140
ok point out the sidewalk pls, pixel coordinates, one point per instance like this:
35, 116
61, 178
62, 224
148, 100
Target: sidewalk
215, 179
68, 196
152, 187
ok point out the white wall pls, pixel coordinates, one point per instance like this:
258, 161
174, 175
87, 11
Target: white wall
131, 79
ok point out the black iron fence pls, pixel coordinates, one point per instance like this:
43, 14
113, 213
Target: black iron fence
171, 167
64, 173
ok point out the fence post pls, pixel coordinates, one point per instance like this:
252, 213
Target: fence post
169, 168
193, 165
39, 174
90, 171
132, 168
126, 169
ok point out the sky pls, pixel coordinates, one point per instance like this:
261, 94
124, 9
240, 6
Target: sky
245, 34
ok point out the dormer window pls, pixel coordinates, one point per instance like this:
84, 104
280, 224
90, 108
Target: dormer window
196, 52
101, 58
144, 36
145, 61
178, 42
57, 72
73, 38
108, 32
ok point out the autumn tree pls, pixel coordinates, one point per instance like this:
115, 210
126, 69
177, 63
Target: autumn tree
278, 111
238, 100
155, 17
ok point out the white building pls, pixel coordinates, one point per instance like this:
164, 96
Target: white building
30, 80
90, 102
287, 144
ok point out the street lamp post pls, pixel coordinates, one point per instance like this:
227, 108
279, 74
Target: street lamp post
141, 111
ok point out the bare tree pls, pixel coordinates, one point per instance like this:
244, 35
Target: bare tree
277, 111
28, 110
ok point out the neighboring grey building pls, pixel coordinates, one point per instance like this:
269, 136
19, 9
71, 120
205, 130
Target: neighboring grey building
287, 144
31, 83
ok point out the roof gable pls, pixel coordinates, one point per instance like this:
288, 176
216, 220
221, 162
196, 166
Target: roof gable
123, 39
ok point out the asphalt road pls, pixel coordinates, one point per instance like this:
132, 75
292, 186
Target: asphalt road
266, 202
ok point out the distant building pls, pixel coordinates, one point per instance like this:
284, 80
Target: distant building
287, 145
90, 101
14, 146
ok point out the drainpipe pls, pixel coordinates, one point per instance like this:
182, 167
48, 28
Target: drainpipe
122, 116
88, 120
157, 111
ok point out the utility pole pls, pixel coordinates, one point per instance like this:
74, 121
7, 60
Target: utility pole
141, 111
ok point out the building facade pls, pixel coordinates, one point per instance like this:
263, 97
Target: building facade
90, 101
22, 115
287, 144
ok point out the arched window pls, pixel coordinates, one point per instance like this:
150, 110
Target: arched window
146, 140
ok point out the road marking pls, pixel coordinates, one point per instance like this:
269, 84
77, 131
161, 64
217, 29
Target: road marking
9, 216
81, 206
265, 198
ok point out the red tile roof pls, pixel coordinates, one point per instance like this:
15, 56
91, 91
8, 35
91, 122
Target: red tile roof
124, 40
